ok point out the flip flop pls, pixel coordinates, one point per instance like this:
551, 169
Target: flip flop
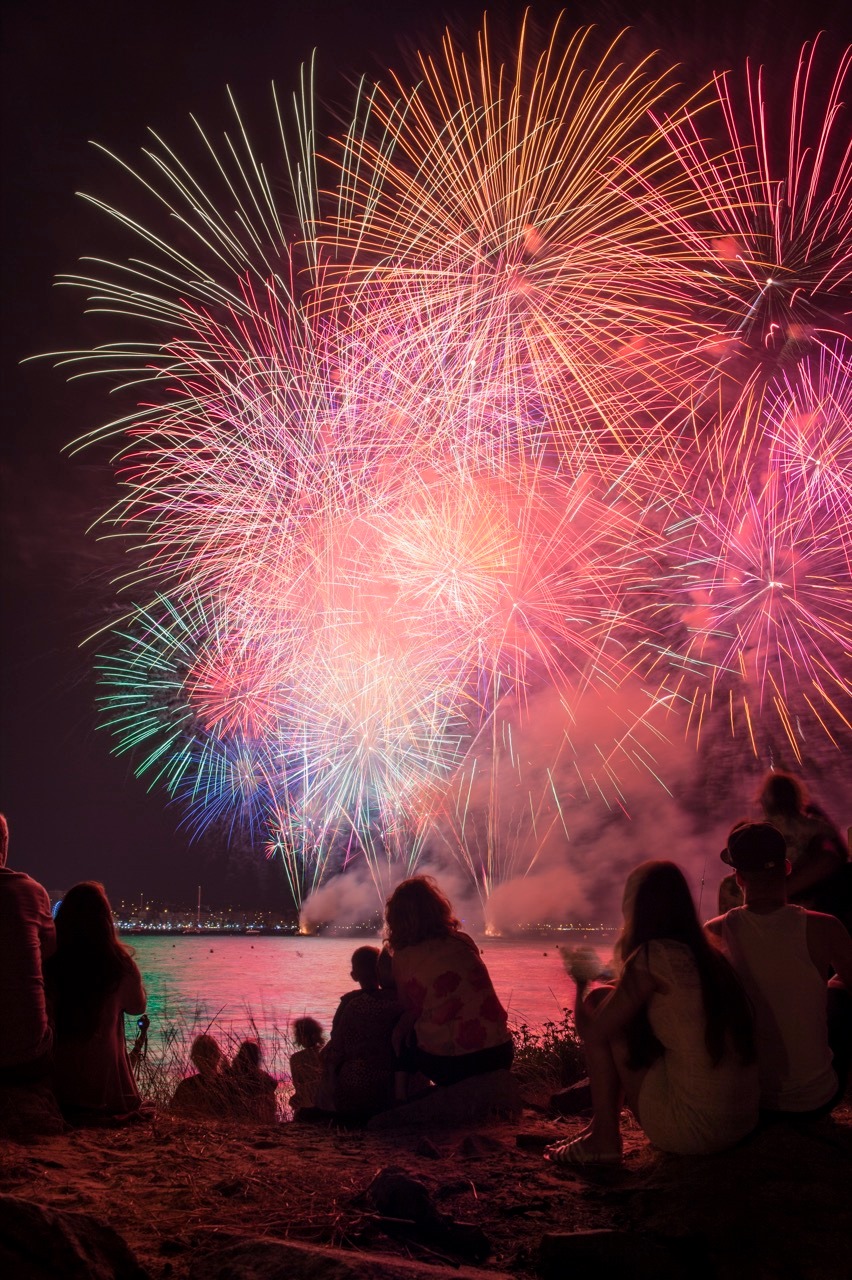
576, 1152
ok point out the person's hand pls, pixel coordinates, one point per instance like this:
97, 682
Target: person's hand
582, 964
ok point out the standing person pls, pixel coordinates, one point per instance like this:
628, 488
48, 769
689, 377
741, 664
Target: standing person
821, 875
92, 981
27, 940
785, 955
453, 1026
673, 1036
360, 1059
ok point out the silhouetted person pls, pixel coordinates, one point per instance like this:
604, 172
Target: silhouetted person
821, 875
306, 1066
206, 1093
27, 940
453, 1026
251, 1089
360, 1059
673, 1036
92, 981
785, 955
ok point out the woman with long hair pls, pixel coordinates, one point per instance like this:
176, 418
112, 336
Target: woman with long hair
673, 1036
453, 1026
92, 981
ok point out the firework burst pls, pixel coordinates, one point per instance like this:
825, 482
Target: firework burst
421, 456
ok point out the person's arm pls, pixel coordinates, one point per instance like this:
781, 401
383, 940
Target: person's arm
632, 992
46, 928
830, 946
132, 992
402, 1030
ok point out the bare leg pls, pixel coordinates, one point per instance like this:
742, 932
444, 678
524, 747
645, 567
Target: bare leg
611, 1080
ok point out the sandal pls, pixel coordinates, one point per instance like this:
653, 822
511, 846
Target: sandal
577, 1153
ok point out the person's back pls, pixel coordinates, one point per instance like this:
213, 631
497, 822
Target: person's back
689, 1102
27, 940
360, 1057
92, 981
784, 956
306, 1066
251, 1090
788, 994
205, 1094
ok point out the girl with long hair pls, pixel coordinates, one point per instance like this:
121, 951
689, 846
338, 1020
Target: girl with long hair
673, 1036
92, 981
453, 1026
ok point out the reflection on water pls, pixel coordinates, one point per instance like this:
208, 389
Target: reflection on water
259, 985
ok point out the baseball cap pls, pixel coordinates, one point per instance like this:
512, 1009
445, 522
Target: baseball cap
755, 846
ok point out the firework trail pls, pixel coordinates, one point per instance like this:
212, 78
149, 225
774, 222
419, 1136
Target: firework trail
766, 213
462, 438
487, 201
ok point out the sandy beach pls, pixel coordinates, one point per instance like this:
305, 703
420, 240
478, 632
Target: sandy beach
196, 1199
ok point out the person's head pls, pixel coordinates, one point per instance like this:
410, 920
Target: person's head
657, 903
89, 960
416, 911
782, 796
4, 840
757, 851
248, 1057
365, 966
205, 1055
84, 919
308, 1033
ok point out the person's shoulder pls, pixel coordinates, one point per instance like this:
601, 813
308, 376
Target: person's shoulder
466, 941
715, 925
822, 922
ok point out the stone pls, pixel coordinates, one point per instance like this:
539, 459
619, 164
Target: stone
573, 1101
427, 1150
44, 1244
407, 1209
479, 1146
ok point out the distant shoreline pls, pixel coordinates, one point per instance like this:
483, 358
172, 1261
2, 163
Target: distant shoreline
556, 932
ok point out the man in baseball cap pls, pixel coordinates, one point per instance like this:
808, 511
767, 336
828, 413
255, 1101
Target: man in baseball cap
784, 956
754, 847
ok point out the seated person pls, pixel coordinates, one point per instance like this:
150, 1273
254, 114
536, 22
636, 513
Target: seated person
92, 981
784, 956
306, 1066
251, 1090
359, 1059
206, 1093
673, 1036
453, 1025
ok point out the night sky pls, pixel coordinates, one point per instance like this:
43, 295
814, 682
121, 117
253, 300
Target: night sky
95, 71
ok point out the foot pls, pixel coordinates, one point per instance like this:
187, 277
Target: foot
582, 1151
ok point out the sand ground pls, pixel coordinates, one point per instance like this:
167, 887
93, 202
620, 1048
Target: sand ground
779, 1206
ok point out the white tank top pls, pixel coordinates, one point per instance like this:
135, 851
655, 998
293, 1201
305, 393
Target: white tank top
788, 993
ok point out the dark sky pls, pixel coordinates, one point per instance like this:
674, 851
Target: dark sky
80, 71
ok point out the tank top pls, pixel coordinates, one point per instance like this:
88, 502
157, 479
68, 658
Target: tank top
788, 993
